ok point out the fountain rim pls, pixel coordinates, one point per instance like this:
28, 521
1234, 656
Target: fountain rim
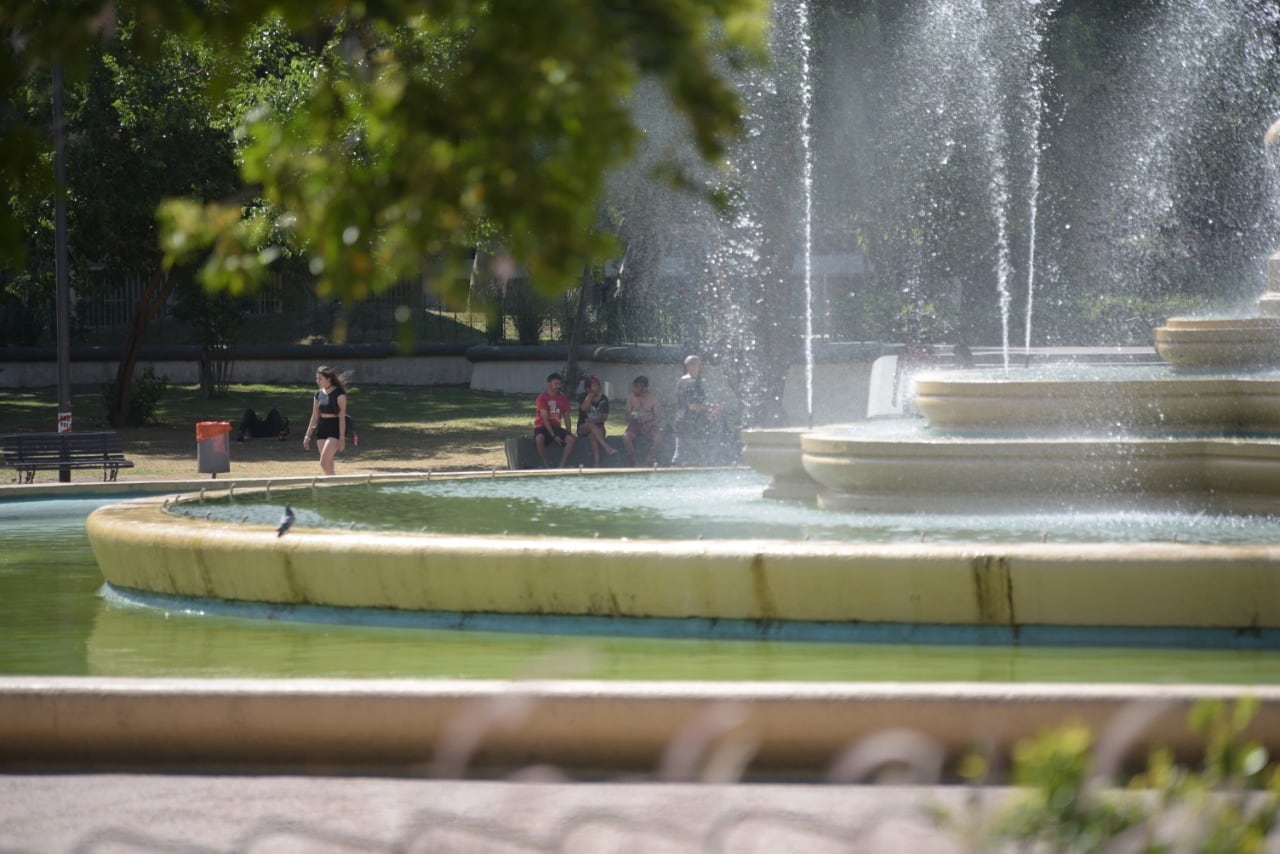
142, 511
1213, 323
595, 543
1003, 586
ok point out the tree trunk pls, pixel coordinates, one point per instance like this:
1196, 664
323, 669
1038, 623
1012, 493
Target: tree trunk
159, 287
575, 334
206, 374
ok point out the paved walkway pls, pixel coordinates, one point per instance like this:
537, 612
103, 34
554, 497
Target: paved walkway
159, 813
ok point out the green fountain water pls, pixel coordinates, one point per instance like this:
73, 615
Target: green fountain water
54, 621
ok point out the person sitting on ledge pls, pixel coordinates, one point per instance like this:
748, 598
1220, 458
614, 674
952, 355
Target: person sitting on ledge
253, 427
551, 411
593, 412
643, 421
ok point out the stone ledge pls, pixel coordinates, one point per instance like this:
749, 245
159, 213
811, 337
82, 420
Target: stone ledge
522, 453
793, 729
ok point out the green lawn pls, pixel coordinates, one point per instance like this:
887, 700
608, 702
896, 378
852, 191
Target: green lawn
399, 426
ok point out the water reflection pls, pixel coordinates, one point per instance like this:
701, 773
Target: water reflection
134, 642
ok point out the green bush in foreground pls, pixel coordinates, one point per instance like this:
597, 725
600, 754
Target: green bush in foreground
1230, 805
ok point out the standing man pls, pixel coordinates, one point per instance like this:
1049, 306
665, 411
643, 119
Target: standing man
643, 420
693, 416
548, 424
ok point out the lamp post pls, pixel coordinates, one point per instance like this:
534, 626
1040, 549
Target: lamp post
60, 264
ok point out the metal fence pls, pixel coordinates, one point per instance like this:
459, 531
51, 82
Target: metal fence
289, 309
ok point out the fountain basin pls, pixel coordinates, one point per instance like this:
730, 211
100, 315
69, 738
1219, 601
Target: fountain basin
1240, 343
1014, 587
776, 453
1099, 400
948, 474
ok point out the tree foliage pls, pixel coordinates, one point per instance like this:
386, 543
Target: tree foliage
139, 129
422, 127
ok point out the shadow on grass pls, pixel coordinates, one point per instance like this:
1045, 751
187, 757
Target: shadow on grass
398, 426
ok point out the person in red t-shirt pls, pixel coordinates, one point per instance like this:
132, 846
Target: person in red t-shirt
548, 423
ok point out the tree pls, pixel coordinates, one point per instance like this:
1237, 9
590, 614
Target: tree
140, 131
216, 319
426, 121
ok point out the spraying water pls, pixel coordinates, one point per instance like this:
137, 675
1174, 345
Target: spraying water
970, 85
1033, 102
1096, 155
969, 19
1199, 61
806, 142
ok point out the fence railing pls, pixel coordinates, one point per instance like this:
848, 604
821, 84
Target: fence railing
288, 309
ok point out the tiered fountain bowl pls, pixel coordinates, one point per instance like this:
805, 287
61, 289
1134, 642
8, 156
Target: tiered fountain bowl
1043, 438
1231, 343
1201, 431
1055, 437
1250, 343
1200, 435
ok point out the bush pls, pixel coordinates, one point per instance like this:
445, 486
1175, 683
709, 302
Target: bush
1066, 803
144, 397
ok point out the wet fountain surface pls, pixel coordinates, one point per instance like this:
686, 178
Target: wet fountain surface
704, 505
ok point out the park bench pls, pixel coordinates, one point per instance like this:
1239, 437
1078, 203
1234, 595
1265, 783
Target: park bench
522, 453
32, 452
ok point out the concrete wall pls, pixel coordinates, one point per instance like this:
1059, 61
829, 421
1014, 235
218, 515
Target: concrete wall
412, 370
839, 393
840, 376
376, 365
408, 728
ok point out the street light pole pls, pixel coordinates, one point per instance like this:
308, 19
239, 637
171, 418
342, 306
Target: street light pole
60, 264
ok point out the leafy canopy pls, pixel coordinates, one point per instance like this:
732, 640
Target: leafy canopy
424, 126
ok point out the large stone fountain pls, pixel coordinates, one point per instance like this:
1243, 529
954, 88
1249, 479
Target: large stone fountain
1202, 433
1203, 438
1058, 436
987, 440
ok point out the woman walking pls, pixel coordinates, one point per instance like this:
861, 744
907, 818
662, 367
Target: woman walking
328, 417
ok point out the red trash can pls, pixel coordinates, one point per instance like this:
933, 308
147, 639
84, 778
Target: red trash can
213, 447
